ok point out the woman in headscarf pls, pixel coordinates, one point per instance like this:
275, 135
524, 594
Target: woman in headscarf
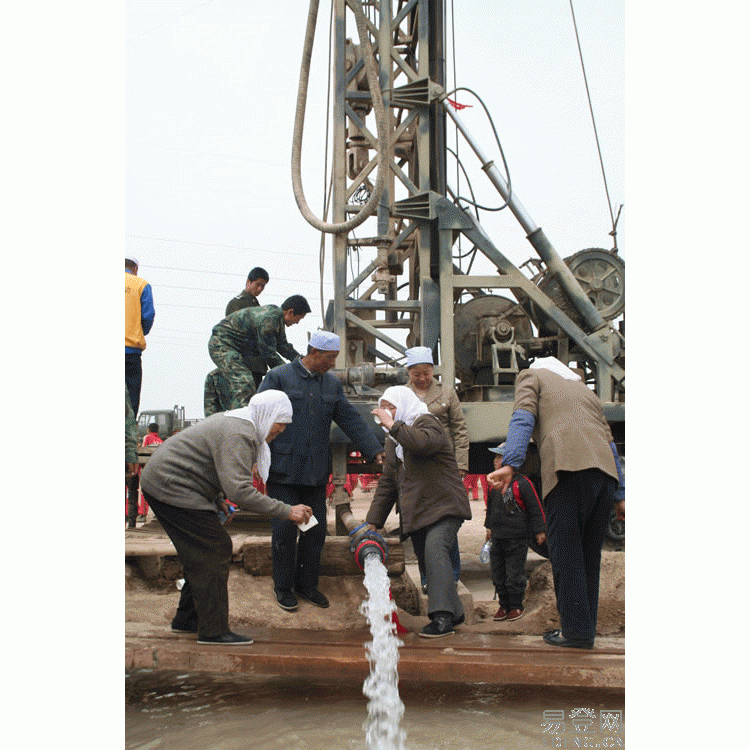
189, 480
442, 401
420, 476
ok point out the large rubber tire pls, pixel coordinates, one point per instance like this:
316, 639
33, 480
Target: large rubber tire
615, 529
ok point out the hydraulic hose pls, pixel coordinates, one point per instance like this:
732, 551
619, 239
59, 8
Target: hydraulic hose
299, 121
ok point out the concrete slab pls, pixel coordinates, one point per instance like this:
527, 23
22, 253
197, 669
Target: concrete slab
311, 641
462, 657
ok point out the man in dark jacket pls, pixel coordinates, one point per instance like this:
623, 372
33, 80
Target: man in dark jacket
511, 521
301, 462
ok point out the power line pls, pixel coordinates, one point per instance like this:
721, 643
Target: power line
216, 244
197, 307
153, 28
231, 291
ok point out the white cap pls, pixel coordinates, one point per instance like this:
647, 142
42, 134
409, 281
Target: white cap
325, 340
418, 355
554, 365
132, 259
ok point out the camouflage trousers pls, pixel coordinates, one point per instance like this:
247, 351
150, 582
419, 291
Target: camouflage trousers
240, 380
216, 393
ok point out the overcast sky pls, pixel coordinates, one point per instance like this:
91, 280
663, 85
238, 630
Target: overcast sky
211, 90
206, 90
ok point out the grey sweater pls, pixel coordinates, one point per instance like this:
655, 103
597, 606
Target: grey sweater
213, 459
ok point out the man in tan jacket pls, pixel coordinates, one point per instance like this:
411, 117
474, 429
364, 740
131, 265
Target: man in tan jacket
581, 480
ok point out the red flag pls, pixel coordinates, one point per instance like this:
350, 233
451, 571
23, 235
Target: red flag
458, 106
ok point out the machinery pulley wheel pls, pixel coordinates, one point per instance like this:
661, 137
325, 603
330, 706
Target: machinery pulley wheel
601, 275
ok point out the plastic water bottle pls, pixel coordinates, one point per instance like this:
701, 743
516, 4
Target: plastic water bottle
484, 554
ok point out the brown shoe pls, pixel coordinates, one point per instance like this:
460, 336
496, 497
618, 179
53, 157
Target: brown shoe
501, 614
515, 614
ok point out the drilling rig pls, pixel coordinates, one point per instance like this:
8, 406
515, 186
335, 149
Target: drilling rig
392, 203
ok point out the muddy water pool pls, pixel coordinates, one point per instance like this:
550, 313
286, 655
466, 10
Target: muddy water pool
190, 711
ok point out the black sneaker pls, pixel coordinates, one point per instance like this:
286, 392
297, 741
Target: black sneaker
184, 628
439, 627
286, 600
228, 639
314, 597
556, 638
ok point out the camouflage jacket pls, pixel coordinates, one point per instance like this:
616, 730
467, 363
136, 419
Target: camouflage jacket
131, 432
259, 330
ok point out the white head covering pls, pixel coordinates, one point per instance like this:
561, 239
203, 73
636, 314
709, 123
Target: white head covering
264, 410
419, 355
554, 365
132, 259
325, 340
408, 408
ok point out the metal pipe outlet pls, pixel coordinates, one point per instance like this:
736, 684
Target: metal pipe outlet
363, 542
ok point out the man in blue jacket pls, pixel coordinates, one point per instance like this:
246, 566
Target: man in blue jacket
301, 463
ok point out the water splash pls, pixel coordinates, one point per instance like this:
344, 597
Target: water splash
384, 709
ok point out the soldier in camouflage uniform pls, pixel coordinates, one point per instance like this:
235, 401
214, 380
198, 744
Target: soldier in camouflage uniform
216, 393
248, 297
131, 462
259, 330
131, 438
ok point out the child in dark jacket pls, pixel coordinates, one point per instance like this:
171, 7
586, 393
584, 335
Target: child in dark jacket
510, 523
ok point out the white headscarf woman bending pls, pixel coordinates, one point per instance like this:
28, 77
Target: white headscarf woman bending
269, 412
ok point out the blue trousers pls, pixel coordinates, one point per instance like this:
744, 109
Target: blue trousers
578, 510
296, 554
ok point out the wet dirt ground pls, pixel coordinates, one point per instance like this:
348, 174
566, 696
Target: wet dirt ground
252, 602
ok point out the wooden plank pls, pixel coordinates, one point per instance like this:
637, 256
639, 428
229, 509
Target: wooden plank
152, 545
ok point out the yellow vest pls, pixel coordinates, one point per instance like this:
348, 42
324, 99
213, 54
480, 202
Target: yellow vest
134, 286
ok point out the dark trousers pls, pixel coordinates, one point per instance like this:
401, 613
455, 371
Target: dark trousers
578, 511
296, 562
508, 566
432, 546
455, 562
133, 378
205, 551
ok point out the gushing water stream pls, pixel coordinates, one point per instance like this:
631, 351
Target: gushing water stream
385, 708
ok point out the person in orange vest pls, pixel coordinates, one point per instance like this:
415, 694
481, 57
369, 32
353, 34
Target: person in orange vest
139, 317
